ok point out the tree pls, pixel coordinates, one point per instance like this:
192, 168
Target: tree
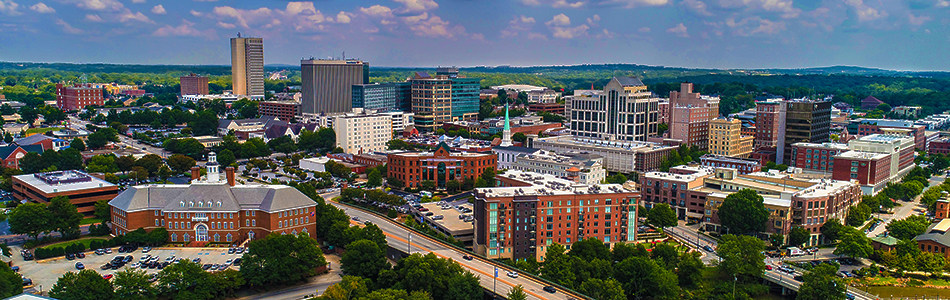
205, 123
644, 278
10, 282
427, 185
102, 137
188, 146
776, 240
350, 287
30, 219
609, 289
139, 173
64, 217
7, 137
327, 139
85, 285
488, 175
32, 162
78, 144
226, 157
125, 163
557, 266
517, 293
441, 278
282, 144
589, 249
132, 284
830, 229
853, 243
151, 163
374, 179
908, 228
822, 284
690, 270
70, 159
164, 172
278, 259
858, 214
798, 236
661, 215
741, 256
519, 137
744, 212
186, 280
182, 164
364, 258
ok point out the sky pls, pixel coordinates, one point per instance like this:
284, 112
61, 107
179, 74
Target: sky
890, 34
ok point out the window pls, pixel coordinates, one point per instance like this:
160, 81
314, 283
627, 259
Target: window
156, 222
174, 237
228, 237
253, 222
247, 222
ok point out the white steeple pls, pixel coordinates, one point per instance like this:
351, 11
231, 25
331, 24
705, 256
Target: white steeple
506, 135
212, 166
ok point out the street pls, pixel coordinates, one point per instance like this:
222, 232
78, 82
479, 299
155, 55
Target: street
906, 208
695, 240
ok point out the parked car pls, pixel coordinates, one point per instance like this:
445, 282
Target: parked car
80, 255
15, 268
196, 260
106, 266
80, 266
146, 249
107, 276
70, 256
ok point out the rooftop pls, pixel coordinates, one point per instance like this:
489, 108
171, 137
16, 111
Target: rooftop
210, 197
546, 184
602, 144
883, 138
62, 181
838, 146
862, 155
450, 218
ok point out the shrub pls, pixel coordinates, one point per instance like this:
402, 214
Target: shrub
391, 214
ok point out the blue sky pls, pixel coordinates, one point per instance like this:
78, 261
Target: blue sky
893, 34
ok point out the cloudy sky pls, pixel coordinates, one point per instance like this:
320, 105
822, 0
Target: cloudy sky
893, 34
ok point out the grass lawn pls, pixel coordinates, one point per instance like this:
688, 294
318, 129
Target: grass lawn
84, 241
90, 221
39, 130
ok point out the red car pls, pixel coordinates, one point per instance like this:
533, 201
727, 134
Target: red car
107, 276
768, 267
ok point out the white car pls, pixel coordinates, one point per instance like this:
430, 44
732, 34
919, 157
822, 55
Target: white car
512, 274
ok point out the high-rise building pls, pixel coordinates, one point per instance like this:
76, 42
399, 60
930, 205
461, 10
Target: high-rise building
443, 98
770, 124
194, 85
806, 121
78, 96
327, 85
690, 114
247, 66
362, 131
623, 111
383, 96
725, 138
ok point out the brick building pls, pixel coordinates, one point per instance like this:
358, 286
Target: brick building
212, 210
194, 85
12, 153
817, 157
868, 168
770, 126
725, 138
284, 110
77, 96
554, 108
690, 114
939, 146
743, 165
527, 212
439, 166
83, 190
935, 239
865, 127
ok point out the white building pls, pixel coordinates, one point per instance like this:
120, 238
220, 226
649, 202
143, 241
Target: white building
899, 147
545, 96
577, 167
314, 164
400, 119
362, 131
519, 87
227, 98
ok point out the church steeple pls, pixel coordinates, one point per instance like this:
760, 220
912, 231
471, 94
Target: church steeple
506, 135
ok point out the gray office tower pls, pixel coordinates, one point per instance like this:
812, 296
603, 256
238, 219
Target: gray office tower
391, 96
327, 85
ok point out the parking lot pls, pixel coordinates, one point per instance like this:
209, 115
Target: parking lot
44, 274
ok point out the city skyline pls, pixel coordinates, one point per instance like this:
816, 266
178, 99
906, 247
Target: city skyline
895, 35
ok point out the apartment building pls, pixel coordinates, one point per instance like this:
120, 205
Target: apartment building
690, 114
442, 98
327, 84
78, 96
286, 111
770, 126
193, 85
725, 138
578, 167
247, 67
816, 157
806, 121
439, 166
362, 131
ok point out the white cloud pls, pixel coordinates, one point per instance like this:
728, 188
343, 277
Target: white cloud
415, 6
101, 5
436, 27
569, 32
478, 37
138, 1
8, 7
637, 3
537, 36
784, 7
226, 25
516, 25
605, 34
942, 3
679, 30
42, 8
371, 30
158, 10
416, 19
185, 29
559, 20
696, 6
644, 29
93, 18
242, 17
753, 25
592, 20
69, 28
917, 20
554, 3
377, 11
343, 18
864, 12
128, 15
196, 13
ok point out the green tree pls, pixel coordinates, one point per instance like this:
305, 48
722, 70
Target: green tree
690, 270
327, 139
186, 280
132, 284
32, 162
10, 282
125, 163
798, 236
853, 243
741, 256
517, 293
858, 214
831, 228
64, 217
519, 137
7, 137
102, 137
181, 163
589, 249
608, 289
278, 259
226, 157
617, 179
822, 284
365, 259
151, 163
776, 240
442, 278
78, 144
70, 159
188, 146
661, 215
374, 179
557, 266
644, 278
164, 172
930, 262
282, 144
102, 164
205, 123
488, 175
427, 185
349, 288
30, 219
908, 228
85, 285
744, 212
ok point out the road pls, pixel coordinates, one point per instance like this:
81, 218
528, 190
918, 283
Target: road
906, 209
697, 241
401, 238
788, 280
76, 123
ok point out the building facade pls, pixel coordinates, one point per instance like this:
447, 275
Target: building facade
327, 85
690, 114
83, 190
622, 157
362, 131
816, 157
392, 96
864, 127
442, 98
576, 167
743, 165
528, 212
554, 108
544, 96
899, 151
623, 111
770, 126
78, 96
193, 85
438, 166
247, 67
871, 170
725, 138
806, 121
939, 146
286, 111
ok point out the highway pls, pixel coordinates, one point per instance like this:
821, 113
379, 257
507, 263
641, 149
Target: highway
788, 280
400, 238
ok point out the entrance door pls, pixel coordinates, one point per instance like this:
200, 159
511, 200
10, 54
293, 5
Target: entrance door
201, 233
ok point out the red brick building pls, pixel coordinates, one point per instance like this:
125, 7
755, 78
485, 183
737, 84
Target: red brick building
690, 114
527, 212
936, 239
11, 154
875, 126
554, 108
77, 96
939, 146
816, 157
743, 165
284, 110
194, 85
83, 190
439, 166
210, 210
868, 168
769, 124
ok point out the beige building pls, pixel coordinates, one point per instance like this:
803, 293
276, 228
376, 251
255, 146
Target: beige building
362, 131
623, 111
725, 138
247, 67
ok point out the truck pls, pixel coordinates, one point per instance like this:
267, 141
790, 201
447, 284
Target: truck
795, 251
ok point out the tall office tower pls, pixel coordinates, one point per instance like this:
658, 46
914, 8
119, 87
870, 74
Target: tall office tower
194, 85
690, 114
623, 111
327, 85
247, 66
444, 97
806, 121
390, 96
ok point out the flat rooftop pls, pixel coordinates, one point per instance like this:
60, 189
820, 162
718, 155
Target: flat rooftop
862, 155
602, 144
450, 219
883, 138
546, 184
838, 146
62, 181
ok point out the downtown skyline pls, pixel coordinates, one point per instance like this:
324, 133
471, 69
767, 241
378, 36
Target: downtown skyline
897, 35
